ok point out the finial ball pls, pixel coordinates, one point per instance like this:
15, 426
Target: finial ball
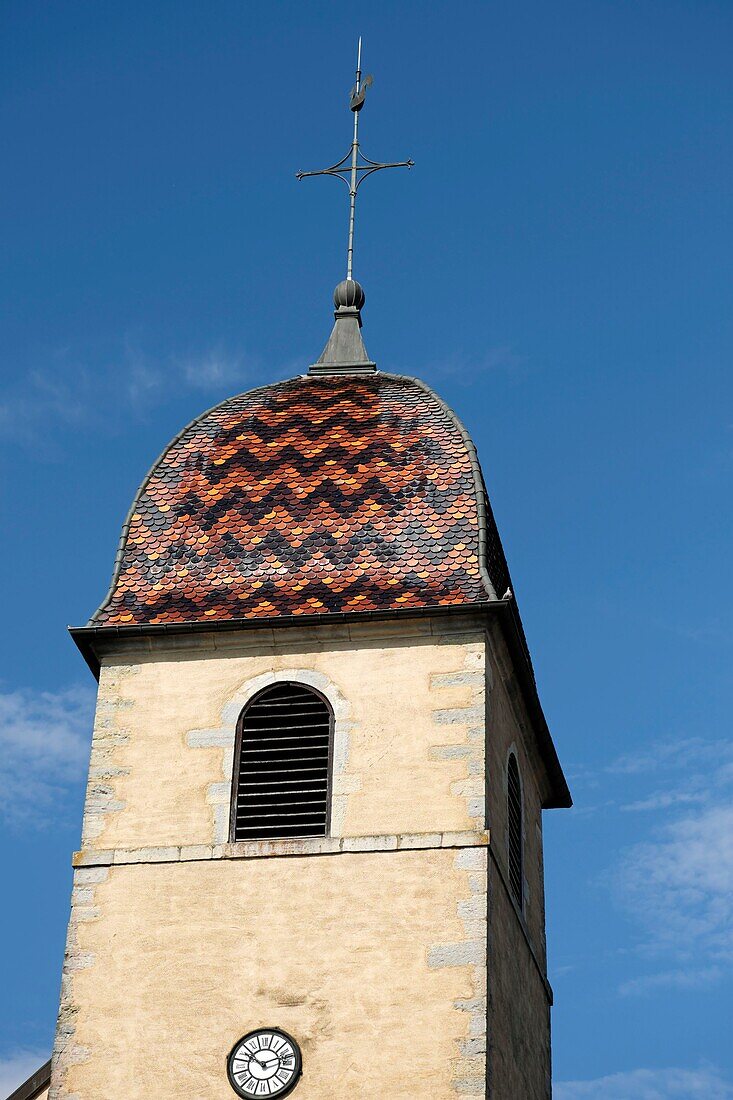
349, 293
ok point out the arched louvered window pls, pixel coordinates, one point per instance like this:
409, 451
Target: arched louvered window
282, 765
514, 829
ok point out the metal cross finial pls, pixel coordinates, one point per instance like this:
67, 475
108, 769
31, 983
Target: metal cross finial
359, 172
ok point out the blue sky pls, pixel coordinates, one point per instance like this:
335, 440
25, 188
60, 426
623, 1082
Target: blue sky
557, 266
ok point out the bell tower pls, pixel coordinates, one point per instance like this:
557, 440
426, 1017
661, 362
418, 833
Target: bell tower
311, 859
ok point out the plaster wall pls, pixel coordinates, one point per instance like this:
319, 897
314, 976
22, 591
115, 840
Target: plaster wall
371, 949
518, 1053
518, 1049
409, 733
508, 730
374, 961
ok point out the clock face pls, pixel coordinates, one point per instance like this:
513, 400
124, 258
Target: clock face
267, 1062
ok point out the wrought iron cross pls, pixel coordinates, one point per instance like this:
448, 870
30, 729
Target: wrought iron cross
359, 171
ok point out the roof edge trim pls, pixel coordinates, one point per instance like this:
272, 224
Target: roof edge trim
35, 1084
83, 635
514, 636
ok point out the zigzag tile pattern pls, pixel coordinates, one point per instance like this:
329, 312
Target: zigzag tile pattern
311, 496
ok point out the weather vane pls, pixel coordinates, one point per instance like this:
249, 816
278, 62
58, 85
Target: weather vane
358, 171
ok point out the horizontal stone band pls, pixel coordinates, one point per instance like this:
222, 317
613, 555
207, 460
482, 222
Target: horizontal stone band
262, 849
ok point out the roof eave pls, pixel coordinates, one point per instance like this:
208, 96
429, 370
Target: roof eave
85, 636
560, 797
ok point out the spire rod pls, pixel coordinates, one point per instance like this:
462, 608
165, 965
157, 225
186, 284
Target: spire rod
354, 179
357, 172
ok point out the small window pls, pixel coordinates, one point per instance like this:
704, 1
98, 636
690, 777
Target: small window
282, 765
514, 829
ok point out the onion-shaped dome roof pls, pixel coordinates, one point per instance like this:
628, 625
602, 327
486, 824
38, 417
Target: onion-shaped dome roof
318, 495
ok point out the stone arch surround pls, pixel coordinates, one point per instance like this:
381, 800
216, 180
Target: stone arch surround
343, 783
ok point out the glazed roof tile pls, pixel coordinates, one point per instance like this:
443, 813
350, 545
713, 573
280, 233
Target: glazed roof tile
311, 496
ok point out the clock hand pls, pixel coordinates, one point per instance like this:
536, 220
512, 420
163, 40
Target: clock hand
265, 1062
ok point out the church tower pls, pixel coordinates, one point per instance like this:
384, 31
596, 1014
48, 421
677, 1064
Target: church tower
311, 858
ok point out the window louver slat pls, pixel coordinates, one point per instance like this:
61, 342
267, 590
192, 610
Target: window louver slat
514, 829
282, 782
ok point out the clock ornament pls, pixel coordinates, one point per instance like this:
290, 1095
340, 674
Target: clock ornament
266, 1062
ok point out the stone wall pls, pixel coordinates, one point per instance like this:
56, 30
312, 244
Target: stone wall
518, 994
518, 1004
408, 754
369, 945
374, 961
509, 731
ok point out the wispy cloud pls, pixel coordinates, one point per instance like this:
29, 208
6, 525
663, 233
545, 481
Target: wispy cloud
671, 754
17, 1067
676, 881
42, 399
70, 393
705, 1083
465, 368
668, 774
44, 747
679, 886
665, 800
214, 368
689, 773
147, 380
683, 979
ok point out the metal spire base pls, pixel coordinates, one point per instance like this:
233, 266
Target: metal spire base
345, 352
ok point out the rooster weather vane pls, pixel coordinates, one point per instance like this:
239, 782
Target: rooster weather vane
354, 168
